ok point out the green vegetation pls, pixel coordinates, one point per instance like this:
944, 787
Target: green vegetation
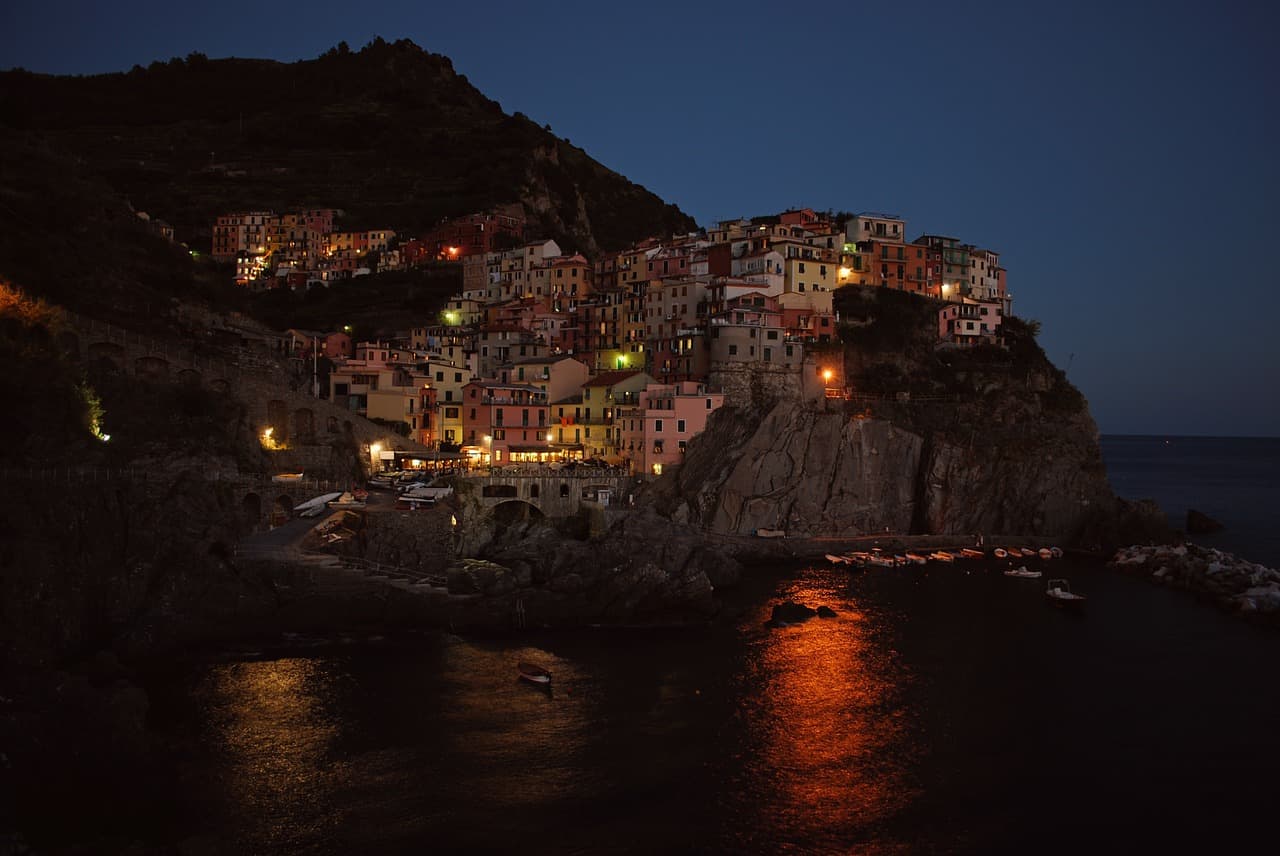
391, 134
372, 306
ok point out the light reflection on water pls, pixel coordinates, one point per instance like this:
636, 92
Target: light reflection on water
828, 742
945, 709
273, 724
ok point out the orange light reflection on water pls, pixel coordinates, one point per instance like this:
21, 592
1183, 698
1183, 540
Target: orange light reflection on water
271, 718
830, 742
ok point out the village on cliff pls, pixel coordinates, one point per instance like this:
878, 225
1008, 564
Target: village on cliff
545, 356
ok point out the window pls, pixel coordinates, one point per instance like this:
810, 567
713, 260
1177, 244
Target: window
457, 377
440, 376
771, 334
451, 413
679, 426
801, 267
708, 404
768, 355
473, 413
733, 350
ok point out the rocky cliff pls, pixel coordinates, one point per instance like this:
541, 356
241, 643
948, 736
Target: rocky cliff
814, 472
986, 440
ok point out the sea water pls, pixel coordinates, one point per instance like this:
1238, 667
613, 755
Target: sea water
945, 709
1234, 480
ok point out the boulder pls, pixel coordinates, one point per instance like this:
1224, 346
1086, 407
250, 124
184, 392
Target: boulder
1199, 523
790, 612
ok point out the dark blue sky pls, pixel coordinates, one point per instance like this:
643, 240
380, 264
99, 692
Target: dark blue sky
1121, 156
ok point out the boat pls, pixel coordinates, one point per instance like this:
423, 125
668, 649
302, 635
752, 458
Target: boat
533, 674
1059, 592
287, 477
838, 560
1023, 573
1044, 553
771, 533
900, 559
1015, 553
942, 556
316, 506
1001, 553
346, 500
917, 558
970, 553
880, 560
1056, 552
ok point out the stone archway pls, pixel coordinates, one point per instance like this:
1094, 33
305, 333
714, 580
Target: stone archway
251, 511
278, 419
281, 510
303, 426
151, 367
514, 512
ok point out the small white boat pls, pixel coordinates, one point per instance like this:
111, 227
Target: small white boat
880, 561
287, 477
970, 553
533, 674
942, 556
1044, 553
1001, 553
917, 558
838, 560
346, 500
316, 506
1023, 574
771, 533
1059, 592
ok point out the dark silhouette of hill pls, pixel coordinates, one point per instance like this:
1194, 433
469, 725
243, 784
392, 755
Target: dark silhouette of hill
391, 134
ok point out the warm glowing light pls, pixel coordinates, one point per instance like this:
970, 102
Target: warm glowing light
550, 436
827, 374
844, 272
267, 432
657, 469
453, 251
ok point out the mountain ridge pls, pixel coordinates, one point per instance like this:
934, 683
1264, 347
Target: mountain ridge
391, 134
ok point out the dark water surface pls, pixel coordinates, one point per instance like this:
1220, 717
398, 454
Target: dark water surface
944, 710
1235, 480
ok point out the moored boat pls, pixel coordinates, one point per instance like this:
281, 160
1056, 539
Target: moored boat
1059, 592
942, 556
1055, 552
533, 673
970, 553
838, 560
916, 558
1023, 573
1001, 553
1044, 553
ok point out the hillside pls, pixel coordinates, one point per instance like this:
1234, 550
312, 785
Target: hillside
391, 134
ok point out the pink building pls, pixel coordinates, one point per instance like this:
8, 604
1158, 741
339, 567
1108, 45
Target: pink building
653, 435
504, 422
971, 323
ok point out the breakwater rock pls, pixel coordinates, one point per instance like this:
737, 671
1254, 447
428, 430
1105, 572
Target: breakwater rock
1234, 583
644, 570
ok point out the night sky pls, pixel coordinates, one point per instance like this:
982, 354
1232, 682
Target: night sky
1121, 156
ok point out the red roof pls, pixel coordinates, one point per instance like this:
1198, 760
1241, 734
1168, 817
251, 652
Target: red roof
611, 378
